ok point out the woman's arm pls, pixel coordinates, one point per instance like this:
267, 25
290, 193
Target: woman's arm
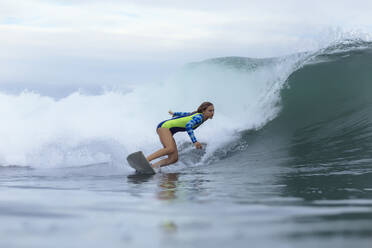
178, 113
197, 119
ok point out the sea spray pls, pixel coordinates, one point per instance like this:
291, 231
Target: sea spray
79, 129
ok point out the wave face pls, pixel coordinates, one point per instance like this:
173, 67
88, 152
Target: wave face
325, 122
328, 108
314, 105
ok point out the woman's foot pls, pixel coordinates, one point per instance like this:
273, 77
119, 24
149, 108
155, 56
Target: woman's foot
155, 167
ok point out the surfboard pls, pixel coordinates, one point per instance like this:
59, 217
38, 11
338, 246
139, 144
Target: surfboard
138, 162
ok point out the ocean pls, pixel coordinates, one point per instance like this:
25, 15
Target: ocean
287, 159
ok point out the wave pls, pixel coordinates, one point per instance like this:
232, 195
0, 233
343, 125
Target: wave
292, 97
326, 112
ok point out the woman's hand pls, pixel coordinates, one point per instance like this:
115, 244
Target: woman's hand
170, 112
198, 145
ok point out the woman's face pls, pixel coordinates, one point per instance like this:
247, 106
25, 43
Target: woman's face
209, 112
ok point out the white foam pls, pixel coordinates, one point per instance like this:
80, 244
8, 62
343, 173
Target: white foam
81, 129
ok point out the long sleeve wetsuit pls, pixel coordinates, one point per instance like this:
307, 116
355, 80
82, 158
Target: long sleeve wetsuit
183, 121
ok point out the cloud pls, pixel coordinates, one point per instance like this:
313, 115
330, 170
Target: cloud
144, 26
91, 42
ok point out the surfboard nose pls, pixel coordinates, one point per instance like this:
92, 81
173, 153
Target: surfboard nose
138, 162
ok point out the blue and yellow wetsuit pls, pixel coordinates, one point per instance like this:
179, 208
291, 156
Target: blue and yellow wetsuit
183, 121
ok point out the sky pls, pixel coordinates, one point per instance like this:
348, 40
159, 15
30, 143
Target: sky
62, 45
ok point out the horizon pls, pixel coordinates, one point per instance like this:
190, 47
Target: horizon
62, 46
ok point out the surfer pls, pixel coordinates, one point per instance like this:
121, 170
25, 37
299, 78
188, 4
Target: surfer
181, 121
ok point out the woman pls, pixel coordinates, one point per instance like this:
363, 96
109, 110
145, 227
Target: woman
180, 122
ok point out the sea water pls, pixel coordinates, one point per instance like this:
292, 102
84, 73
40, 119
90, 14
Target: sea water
286, 161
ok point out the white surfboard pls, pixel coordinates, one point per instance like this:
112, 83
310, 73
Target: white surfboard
138, 162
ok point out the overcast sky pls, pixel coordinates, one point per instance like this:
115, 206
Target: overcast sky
83, 42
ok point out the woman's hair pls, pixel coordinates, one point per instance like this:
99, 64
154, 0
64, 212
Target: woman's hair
202, 107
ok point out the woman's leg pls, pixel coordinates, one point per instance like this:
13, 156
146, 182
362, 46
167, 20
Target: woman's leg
170, 148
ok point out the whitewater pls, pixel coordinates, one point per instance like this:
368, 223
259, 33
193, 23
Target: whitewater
287, 158
80, 129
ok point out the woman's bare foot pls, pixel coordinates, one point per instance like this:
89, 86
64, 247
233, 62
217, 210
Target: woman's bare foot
156, 167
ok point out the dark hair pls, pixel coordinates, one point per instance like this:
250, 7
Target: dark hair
202, 107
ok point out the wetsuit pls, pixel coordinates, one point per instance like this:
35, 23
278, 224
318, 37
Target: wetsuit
183, 121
